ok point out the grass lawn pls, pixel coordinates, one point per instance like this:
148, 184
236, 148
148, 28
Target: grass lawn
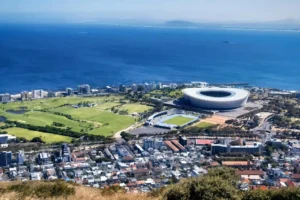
101, 106
156, 92
204, 125
95, 120
61, 109
176, 94
110, 122
43, 119
46, 137
107, 105
55, 102
135, 107
178, 120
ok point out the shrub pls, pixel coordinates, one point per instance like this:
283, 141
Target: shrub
43, 190
219, 183
112, 190
203, 188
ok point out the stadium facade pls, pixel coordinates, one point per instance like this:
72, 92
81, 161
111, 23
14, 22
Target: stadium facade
216, 98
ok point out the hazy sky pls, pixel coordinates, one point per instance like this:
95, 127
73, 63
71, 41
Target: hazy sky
195, 10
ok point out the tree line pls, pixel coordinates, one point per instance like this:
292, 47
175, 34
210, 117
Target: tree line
58, 131
221, 183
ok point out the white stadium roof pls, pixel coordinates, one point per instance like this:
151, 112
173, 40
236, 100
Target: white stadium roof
216, 98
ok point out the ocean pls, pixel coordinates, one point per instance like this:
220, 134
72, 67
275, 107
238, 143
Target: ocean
58, 56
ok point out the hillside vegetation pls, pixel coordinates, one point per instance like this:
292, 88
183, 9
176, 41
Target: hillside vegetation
59, 190
221, 183
218, 184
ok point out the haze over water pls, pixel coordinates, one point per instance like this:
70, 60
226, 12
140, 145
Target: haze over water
59, 56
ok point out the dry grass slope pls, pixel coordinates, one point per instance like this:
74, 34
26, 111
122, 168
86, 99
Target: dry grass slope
60, 190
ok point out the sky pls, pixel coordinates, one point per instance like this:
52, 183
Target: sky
151, 10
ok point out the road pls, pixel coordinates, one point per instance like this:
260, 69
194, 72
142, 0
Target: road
117, 135
264, 130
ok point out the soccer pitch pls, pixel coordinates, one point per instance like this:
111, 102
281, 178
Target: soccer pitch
178, 120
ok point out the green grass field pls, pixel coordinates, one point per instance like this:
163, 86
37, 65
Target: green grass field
46, 137
94, 120
55, 102
107, 105
178, 120
156, 92
43, 119
61, 109
110, 122
204, 125
176, 94
135, 107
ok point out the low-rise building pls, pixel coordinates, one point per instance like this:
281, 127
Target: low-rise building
5, 158
5, 98
252, 148
37, 94
25, 95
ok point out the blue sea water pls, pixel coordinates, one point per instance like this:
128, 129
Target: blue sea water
59, 56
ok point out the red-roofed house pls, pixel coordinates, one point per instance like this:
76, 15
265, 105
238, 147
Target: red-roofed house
238, 164
141, 173
290, 184
250, 174
295, 177
204, 142
261, 187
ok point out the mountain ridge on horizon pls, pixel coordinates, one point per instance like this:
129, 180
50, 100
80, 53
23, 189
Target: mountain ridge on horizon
276, 24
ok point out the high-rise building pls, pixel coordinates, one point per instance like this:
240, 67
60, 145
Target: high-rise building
182, 140
25, 95
84, 89
37, 94
122, 88
20, 157
134, 87
69, 91
147, 87
5, 158
154, 143
4, 98
66, 153
51, 94
159, 86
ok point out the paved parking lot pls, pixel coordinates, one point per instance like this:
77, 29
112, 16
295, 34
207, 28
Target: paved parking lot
149, 130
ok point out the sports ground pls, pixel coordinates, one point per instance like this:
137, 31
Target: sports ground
29, 135
178, 120
97, 120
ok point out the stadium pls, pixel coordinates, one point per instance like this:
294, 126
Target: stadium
216, 98
171, 119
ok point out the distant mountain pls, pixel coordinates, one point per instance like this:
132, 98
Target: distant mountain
284, 21
179, 23
285, 24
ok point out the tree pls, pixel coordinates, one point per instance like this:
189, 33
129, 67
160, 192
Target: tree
282, 194
37, 139
140, 88
126, 136
3, 132
217, 184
